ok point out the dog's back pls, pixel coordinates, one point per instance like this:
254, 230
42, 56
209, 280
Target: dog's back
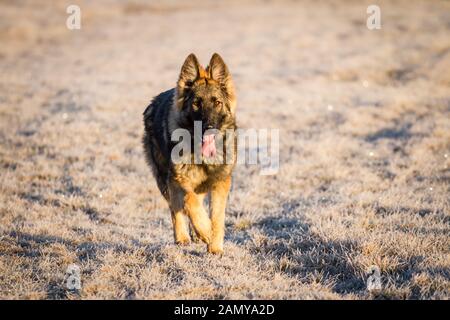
156, 137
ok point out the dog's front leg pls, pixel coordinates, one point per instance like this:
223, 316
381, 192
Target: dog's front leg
180, 225
193, 205
219, 195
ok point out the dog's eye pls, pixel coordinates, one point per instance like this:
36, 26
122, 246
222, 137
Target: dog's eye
218, 103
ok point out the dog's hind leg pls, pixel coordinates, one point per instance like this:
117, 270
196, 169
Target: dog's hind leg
194, 237
219, 195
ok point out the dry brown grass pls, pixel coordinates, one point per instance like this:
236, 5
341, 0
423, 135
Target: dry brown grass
362, 182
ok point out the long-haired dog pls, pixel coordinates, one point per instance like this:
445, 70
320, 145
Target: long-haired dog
204, 97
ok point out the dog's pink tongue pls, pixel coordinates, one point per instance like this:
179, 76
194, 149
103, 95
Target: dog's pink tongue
208, 146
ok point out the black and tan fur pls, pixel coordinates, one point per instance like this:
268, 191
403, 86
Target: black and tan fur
201, 94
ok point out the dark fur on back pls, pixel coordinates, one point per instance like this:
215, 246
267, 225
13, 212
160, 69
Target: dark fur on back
156, 144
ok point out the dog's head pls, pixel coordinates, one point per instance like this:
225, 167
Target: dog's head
206, 95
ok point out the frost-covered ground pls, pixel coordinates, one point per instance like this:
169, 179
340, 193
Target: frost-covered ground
364, 149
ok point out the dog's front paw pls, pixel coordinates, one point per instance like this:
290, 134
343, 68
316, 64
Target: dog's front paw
183, 241
215, 249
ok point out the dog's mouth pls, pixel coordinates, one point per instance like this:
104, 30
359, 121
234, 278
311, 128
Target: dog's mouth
209, 145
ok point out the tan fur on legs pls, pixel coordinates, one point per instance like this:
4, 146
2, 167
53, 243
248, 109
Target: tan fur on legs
193, 234
219, 194
193, 205
180, 225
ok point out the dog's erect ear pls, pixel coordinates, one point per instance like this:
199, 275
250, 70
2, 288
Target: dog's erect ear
218, 71
190, 71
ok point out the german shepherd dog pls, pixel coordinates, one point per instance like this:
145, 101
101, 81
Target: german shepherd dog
205, 95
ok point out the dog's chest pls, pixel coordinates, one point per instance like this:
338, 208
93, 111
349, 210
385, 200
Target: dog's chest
200, 177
